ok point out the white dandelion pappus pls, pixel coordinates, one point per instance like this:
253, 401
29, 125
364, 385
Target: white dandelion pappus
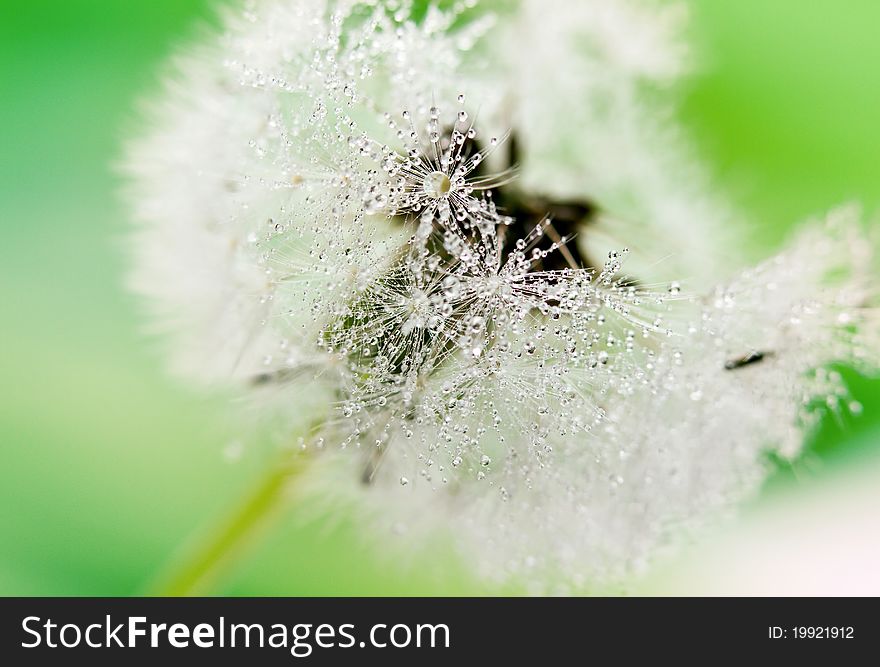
323, 224
433, 175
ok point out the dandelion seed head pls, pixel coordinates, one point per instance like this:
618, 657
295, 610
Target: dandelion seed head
327, 219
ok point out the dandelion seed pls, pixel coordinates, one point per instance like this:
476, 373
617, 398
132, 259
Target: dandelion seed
432, 174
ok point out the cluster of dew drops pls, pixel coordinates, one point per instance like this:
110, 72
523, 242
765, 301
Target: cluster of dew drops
466, 351
463, 353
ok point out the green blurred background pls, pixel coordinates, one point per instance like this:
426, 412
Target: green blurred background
108, 465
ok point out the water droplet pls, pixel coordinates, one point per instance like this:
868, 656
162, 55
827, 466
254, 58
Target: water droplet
437, 185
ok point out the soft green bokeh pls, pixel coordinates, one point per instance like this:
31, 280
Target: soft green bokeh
108, 465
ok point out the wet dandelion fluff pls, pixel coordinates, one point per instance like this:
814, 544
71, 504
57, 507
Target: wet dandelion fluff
330, 217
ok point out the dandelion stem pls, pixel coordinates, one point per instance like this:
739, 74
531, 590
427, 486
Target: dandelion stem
210, 554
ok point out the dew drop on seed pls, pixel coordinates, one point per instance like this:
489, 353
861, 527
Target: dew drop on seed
437, 185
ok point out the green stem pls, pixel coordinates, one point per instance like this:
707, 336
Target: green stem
206, 558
